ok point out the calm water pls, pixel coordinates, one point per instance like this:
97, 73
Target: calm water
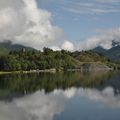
63, 96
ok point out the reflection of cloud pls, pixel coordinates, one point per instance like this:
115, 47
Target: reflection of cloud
9, 111
105, 96
41, 106
69, 93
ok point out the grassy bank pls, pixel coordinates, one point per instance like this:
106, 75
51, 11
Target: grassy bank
25, 72
12, 72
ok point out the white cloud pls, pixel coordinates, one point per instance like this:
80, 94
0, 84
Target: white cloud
55, 48
22, 22
104, 39
108, 1
67, 45
95, 7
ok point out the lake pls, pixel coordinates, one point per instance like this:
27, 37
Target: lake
60, 96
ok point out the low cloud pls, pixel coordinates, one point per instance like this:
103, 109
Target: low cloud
104, 39
67, 45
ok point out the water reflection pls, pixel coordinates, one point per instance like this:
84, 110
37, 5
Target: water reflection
34, 107
41, 106
10, 85
38, 106
60, 96
106, 96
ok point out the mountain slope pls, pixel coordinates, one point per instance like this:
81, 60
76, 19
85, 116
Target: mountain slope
93, 61
113, 53
100, 50
6, 47
89, 56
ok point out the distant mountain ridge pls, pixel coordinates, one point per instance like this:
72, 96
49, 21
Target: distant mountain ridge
113, 53
6, 47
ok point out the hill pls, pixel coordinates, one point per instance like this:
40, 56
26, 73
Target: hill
113, 53
37, 60
89, 56
93, 60
60, 60
13, 58
6, 47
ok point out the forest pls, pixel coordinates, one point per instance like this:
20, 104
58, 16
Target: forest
26, 60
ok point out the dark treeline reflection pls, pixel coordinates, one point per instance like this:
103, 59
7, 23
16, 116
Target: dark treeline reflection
29, 83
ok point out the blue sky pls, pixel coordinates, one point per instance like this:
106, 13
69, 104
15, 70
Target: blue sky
80, 19
60, 24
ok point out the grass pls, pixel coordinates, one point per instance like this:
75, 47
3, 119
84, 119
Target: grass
25, 72
13, 72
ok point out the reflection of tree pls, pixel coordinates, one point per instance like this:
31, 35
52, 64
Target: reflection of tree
28, 83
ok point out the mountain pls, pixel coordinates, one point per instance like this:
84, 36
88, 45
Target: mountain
6, 47
100, 50
113, 53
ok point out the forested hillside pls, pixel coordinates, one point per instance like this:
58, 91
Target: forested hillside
6, 47
60, 60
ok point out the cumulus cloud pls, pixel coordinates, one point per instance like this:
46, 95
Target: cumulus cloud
67, 45
23, 22
104, 39
55, 48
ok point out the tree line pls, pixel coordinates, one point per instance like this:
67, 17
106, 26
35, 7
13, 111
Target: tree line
33, 59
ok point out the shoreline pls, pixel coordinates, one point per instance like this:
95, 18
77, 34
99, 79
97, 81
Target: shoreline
53, 70
30, 71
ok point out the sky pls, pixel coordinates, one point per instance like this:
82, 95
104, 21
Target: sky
60, 24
